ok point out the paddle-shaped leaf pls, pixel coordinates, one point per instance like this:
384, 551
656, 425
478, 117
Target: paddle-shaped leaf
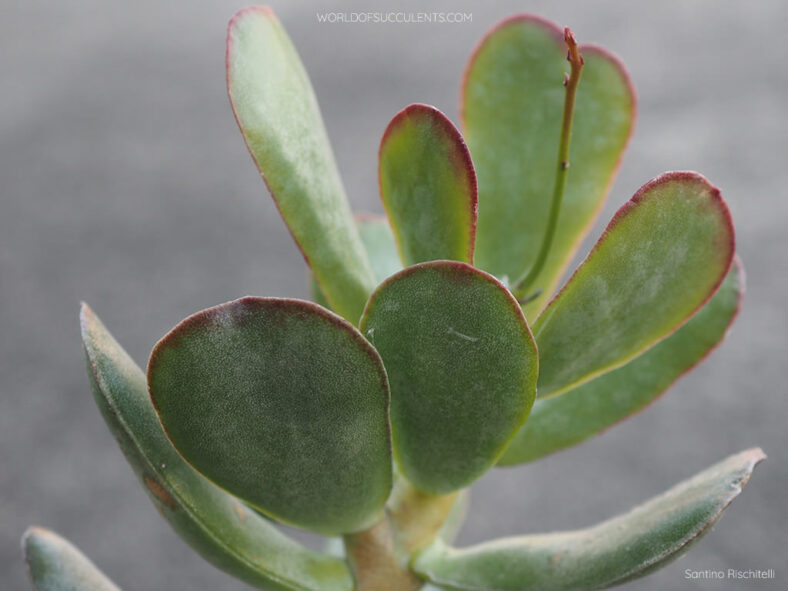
559, 422
662, 256
462, 366
279, 118
428, 186
512, 100
612, 552
54, 564
230, 536
282, 404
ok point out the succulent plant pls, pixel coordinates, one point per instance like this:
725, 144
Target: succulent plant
437, 349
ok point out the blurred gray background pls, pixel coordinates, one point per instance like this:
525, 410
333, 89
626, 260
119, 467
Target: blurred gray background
124, 182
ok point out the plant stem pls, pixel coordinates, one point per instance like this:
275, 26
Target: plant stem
375, 566
571, 80
417, 517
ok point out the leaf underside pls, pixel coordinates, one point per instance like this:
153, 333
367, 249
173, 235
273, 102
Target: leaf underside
54, 564
662, 256
282, 404
559, 422
512, 98
462, 366
615, 551
219, 527
428, 186
280, 120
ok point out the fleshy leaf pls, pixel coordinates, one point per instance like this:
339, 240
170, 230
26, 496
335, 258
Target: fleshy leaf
428, 186
558, 422
55, 564
219, 527
662, 256
284, 405
278, 115
378, 240
618, 550
462, 366
512, 101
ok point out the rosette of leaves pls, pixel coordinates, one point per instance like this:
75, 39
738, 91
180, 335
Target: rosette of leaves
438, 347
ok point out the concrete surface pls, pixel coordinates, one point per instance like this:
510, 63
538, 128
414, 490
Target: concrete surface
124, 182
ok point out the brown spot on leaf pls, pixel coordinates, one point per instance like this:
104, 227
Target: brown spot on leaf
159, 492
239, 510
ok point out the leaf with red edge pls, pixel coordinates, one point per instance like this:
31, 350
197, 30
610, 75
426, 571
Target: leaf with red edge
512, 100
284, 405
216, 524
462, 365
428, 186
559, 422
661, 258
279, 118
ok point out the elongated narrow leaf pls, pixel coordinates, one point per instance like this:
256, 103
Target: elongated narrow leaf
428, 186
219, 527
279, 118
282, 404
512, 101
615, 551
462, 365
54, 564
378, 240
662, 256
561, 421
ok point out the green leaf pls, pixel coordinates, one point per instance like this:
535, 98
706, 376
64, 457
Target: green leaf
462, 366
512, 100
662, 256
378, 240
54, 564
282, 404
428, 186
219, 527
278, 115
618, 550
562, 421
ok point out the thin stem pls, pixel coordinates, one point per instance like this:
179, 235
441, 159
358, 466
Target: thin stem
571, 80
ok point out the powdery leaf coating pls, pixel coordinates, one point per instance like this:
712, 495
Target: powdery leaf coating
54, 564
613, 552
280, 120
462, 366
511, 110
428, 186
218, 526
663, 255
284, 405
559, 422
